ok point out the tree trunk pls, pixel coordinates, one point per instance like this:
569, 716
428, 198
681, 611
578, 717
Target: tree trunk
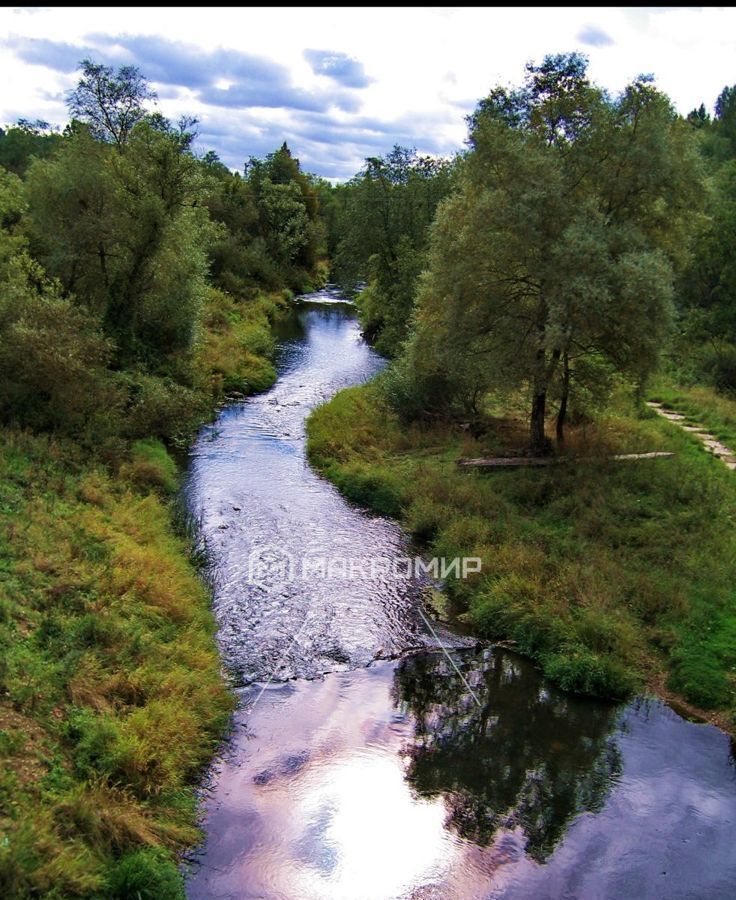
537, 439
539, 445
562, 413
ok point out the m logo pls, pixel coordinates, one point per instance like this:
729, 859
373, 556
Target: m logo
270, 565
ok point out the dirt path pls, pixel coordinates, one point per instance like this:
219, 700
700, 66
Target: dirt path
709, 441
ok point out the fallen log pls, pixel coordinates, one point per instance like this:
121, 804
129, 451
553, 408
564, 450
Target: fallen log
505, 462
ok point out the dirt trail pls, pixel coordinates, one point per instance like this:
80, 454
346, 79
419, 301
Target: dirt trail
709, 441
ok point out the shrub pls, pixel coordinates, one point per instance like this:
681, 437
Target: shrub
151, 467
52, 355
584, 672
719, 368
159, 407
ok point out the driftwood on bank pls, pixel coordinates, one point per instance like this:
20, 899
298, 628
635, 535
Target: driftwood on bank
505, 462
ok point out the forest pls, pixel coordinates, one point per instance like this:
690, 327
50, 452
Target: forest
531, 293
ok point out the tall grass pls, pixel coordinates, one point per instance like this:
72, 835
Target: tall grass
238, 343
112, 695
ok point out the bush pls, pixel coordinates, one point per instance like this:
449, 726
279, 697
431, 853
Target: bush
52, 355
159, 407
151, 467
719, 369
583, 672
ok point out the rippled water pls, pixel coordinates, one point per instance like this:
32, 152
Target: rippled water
460, 775
263, 510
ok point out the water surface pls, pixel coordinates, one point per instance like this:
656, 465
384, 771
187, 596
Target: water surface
368, 763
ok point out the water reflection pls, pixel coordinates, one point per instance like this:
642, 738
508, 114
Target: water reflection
389, 781
527, 757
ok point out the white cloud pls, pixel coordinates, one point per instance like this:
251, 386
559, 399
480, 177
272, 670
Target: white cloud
424, 68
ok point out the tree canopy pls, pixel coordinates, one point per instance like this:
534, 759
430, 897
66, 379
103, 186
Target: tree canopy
118, 245
382, 219
112, 103
554, 260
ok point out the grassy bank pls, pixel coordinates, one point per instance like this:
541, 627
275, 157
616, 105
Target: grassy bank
237, 343
607, 574
702, 406
112, 696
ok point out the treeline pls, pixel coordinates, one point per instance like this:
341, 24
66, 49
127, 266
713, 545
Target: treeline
706, 349
122, 253
579, 239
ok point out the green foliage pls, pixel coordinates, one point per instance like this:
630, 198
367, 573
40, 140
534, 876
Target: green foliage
583, 672
238, 343
145, 875
718, 367
380, 221
52, 354
110, 329
708, 286
570, 216
707, 327
286, 220
20, 143
126, 234
112, 697
151, 466
274, 235
725, 118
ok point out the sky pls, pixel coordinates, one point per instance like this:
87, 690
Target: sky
341, 84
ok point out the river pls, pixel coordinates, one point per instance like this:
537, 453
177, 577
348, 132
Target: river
375, 755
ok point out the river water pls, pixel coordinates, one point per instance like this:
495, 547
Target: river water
377, 756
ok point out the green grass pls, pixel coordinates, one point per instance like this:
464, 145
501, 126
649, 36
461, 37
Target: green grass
151, 466
112, 696
602, 572
702, 406
238, 343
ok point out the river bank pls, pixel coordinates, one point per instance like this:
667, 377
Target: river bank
113, 695
612, 577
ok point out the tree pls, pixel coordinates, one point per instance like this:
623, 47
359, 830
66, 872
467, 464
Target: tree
111, 103
52, 354
383, 217
726, 117
556, 255
708, 286
126, 234
699, 117
21, 142
289, 212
